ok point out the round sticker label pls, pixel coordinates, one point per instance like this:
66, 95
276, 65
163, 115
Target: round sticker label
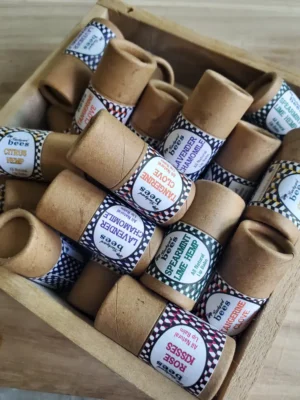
289, 193
118, 232
90, 41
176, 359
157, 186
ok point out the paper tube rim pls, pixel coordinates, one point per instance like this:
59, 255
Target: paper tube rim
257, 130
167, 68
161, 86
273, 82
31, 220
251, 227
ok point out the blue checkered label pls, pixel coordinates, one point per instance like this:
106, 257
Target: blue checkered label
90, 44
67, 269
154, 143
2, 197
280, 115
21, 152
186, 260
118, 234
189, 148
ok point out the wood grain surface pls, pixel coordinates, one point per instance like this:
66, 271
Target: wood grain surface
30, 30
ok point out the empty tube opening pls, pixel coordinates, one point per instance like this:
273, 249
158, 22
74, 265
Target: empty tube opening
14, 236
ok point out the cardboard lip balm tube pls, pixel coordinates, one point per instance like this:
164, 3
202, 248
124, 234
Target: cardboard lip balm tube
22, 194
121, 161
187, 257
118, 82
253, 263
277, 198
59, 120
31, 249
152, 329
68, 76
100, 222
164, 71
156, 111
244, 157
34, 154
276, 107
212, 111
92, 287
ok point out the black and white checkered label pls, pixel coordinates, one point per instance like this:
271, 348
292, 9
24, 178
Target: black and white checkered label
67, 269
91, 103
184, 348
154, 143
243, 187
2, 197
90, 43
118, 234
280, 115
21, 151
279, 190
227, 309
189, 148
156, 188
186, 260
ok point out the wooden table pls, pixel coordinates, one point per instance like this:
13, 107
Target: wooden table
28, 32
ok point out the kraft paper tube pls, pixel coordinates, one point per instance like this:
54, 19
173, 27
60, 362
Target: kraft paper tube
277, 198
253, 263
69, 74
244, 157
156, 110
92, 287
117, 84
276, 107
164, 71
58, 120
131, 320
31, 249
187, 257
34, 154
99, 222
121, 161
22, 194
212, 111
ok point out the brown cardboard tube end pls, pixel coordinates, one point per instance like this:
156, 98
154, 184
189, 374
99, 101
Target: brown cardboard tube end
22, 194
92, 287
263, 90
128, 320
28, 247
164, 71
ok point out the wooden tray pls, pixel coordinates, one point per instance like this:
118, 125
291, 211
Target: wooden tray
99, 367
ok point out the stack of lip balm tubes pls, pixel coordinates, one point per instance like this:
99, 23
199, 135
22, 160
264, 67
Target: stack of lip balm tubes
169, 219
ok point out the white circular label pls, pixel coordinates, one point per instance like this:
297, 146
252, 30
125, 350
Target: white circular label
183, 258
158, 186
289, 193
187, 151
90, 41
17, 154
118, 232
229, 314
285, 114
180, 354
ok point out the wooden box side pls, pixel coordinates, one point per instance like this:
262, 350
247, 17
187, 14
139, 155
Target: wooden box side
164, 38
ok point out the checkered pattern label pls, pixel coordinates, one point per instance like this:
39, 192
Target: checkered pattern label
2, 197
279, 115
90, 44
225, 308
243, 187
21, 152
102, 261
186, 260
67, 269
91, 103
118, 234
189, 148
154, 143
156, 189
184, 348
279, 190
